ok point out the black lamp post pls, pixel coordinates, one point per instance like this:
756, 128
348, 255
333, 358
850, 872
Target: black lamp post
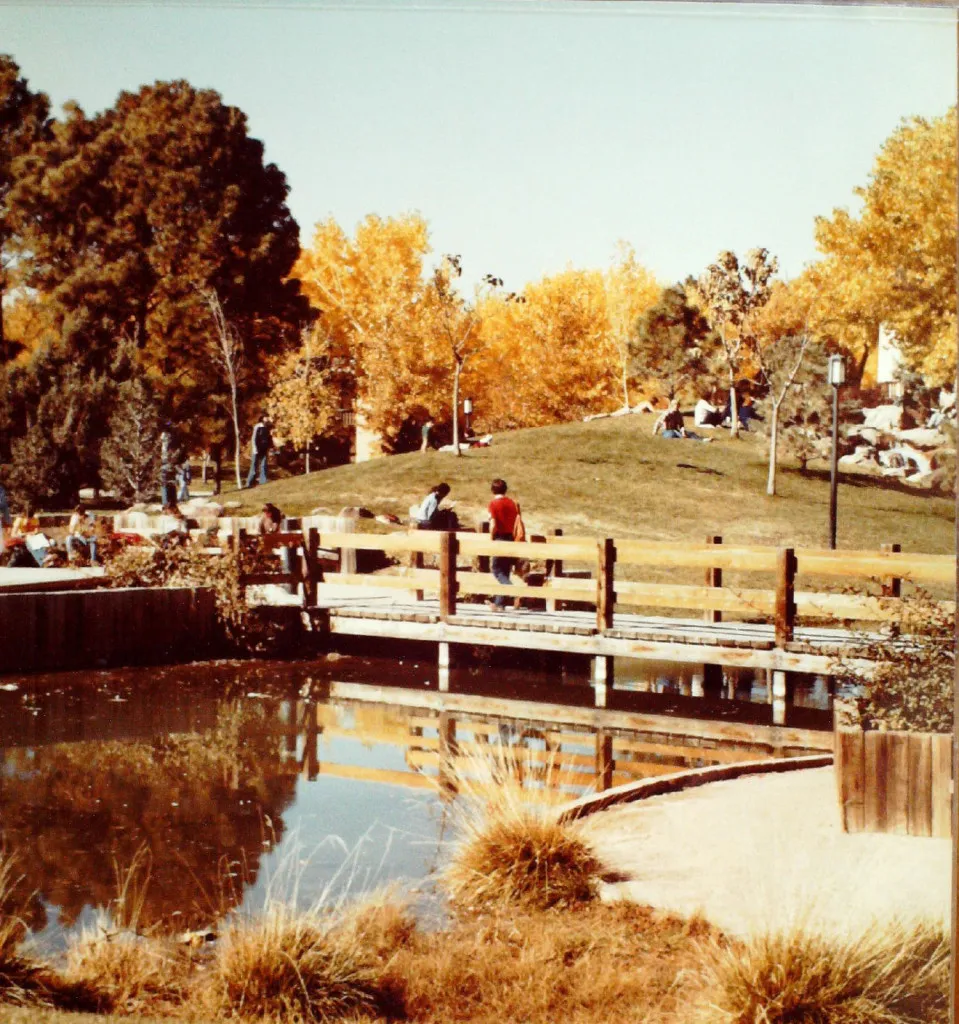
837, 377
467, 411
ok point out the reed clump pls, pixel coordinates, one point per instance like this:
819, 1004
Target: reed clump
295, 965
893, 975
512, 849
126, 973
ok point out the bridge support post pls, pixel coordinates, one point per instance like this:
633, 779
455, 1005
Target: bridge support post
603, 677
712, 679
780, 690
443, 663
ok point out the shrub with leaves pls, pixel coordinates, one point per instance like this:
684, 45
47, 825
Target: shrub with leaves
912, 686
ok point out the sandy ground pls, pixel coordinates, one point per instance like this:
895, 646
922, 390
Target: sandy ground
768, 852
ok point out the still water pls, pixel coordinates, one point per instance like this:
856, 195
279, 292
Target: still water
209, 787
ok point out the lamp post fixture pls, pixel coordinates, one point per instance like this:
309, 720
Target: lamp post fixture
467, 411
837, 377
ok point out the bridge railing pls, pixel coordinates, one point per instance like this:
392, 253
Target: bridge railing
781, 601
320, 560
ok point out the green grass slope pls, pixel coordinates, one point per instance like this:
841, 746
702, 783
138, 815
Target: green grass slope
611, 477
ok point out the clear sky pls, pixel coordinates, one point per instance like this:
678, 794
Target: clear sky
532, 135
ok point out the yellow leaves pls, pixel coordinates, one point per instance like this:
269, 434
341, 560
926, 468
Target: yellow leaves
370, 293
896, 262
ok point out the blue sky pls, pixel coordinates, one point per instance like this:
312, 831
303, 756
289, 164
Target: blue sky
532, 136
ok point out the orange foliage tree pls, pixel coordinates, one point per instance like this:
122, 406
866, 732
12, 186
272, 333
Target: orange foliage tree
371, 294
895, 262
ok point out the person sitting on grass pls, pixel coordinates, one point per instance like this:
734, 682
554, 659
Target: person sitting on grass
429, 516
26, 528
670, 424
82, 535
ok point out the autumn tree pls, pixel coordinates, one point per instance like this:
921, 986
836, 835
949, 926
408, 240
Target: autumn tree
226, 353
457, 323
372, 296
671, 342
309, 389
61, 412
630, 292
124, 219
796, 409
895, 262
23, 119
130, 455
733, 292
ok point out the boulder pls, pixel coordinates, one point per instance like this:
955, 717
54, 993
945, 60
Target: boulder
923, 437
883, 417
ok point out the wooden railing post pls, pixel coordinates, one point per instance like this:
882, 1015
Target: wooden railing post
891, 585
417, 563
554, 570
605, 583
714, 578
449, 547
482, 561
785, 595
311, 569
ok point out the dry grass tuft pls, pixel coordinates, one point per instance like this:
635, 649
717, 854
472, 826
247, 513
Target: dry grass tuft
23, 981
512, 849
123, 972
894, 975
604, 963
296, 966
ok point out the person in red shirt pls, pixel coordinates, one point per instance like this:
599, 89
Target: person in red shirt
502, 518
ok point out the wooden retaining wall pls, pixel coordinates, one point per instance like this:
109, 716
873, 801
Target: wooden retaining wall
896, 782
88, 629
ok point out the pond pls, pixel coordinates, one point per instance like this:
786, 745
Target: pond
210, 786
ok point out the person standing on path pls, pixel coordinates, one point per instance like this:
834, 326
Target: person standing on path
184, 474
260, 445
427, 430
503, 513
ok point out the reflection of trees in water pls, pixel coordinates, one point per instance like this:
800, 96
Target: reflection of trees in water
205, 806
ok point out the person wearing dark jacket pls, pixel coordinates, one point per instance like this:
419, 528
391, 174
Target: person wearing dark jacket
260, 445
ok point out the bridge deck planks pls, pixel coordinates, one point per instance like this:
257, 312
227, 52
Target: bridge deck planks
812, 648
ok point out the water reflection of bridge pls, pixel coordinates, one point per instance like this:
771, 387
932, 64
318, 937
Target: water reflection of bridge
568, 749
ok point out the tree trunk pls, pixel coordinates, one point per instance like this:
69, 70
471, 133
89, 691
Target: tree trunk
773, 438
236, 438
733, 409
204, 465
456, 407
3, 342
625, 384
306, 461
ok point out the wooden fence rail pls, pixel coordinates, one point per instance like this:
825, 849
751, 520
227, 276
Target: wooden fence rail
320, 558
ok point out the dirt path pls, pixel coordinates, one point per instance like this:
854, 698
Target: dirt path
767, 852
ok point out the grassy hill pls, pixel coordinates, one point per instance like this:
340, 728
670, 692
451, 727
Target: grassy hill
611, 477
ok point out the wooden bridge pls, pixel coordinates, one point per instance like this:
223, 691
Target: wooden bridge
599, 608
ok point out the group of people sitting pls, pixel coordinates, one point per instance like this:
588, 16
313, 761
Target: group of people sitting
671, 424
27, 545
505, 520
